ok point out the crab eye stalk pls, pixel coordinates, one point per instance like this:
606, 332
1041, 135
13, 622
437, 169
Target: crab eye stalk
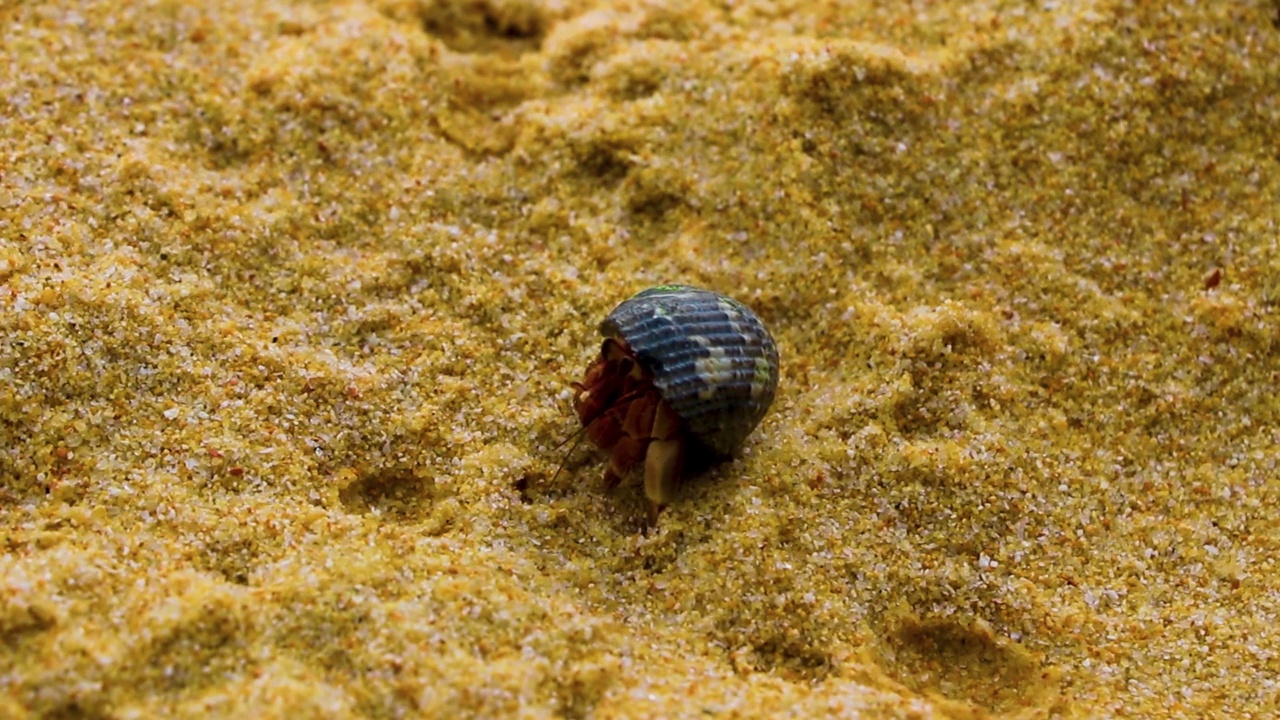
683, 374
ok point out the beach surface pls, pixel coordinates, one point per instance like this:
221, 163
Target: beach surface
292, 295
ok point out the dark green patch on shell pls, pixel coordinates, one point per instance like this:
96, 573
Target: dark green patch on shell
710, 356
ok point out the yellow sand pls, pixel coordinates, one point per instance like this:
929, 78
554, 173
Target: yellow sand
291, 296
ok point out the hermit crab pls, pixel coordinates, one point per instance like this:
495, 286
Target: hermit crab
683, 377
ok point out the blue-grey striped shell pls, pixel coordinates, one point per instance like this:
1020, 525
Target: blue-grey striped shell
710, 357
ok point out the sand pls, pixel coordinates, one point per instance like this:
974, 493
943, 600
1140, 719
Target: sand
292, 294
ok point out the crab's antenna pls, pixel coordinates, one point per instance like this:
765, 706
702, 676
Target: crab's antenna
577, 440
577, 436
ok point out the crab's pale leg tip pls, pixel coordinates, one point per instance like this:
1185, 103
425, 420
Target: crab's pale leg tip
611, 478
662, 471
655, 509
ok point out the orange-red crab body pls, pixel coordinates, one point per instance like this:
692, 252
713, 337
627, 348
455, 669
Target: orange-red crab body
682, 372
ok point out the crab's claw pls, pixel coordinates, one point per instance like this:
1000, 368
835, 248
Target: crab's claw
664, 459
